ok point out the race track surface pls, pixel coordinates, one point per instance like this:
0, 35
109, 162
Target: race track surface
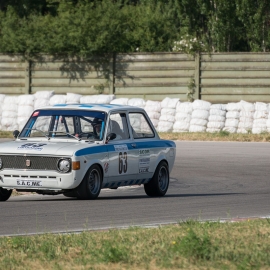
210, 181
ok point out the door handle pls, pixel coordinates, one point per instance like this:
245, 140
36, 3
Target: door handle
133, 145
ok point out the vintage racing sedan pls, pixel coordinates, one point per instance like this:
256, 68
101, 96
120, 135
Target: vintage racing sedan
79, 149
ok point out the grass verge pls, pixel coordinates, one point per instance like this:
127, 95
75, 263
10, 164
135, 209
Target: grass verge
187, 245
198, 136
219, 136
6, 134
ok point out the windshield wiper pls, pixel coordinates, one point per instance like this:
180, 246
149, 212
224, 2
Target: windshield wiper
66, 134
39, 131
53, 132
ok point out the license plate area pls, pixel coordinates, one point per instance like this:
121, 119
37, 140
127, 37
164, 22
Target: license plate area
28, 183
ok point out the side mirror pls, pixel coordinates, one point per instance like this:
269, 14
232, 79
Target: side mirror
110, 137
16, 133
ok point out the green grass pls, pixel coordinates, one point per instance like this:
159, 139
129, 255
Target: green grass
187, 245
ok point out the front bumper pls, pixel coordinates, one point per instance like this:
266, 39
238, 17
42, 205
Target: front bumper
37, 180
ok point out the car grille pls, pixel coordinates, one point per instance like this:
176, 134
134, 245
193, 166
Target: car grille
29, 162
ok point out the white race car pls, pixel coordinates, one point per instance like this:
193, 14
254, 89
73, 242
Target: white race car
78, 149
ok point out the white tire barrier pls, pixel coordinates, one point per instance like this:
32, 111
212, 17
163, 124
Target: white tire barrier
169, 115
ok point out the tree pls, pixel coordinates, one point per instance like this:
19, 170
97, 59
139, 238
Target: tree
27, 7
255, 16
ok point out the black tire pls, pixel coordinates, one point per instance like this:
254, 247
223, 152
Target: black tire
159, 184
90, 186
5, 194
70, 194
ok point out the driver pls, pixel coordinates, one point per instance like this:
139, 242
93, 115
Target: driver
97, 129
97, 126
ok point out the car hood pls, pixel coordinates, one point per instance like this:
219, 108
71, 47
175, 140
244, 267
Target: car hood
56, 148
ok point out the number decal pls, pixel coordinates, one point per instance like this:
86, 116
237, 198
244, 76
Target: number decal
120, 163
123, 162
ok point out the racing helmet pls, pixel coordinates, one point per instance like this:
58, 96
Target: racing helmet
97, 127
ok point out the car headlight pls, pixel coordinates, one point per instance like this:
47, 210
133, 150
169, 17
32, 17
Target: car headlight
1, 163
64, 165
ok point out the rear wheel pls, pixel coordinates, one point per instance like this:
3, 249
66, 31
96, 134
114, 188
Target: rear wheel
5, 194
159, 184
90, 187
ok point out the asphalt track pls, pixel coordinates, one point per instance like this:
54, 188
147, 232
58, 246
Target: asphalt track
210, 181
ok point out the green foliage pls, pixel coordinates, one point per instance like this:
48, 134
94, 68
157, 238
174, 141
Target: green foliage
191, 90
88, 27
224, 133
187, 245
255, 16
26, 7
114, 252
195, 247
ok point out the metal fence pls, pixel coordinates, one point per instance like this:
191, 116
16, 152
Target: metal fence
218, 78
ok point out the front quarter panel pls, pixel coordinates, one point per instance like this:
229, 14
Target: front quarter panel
89, 156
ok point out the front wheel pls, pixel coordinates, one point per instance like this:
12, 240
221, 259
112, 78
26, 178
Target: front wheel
90, 186
159, 184
5, 194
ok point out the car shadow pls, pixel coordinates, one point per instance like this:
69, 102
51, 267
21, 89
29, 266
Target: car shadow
125, 197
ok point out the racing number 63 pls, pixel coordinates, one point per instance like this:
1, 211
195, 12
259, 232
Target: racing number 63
123, 162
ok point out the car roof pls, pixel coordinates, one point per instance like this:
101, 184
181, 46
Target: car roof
91, 107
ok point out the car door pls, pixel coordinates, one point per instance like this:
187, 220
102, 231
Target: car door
121, 152
147, 149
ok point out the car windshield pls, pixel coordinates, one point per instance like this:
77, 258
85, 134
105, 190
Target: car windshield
63, 124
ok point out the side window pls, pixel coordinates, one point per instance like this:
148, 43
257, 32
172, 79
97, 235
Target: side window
118, 125
86, 126
140, 126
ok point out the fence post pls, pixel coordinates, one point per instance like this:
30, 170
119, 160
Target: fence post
197, 94
112, 88
27, 88
112, 74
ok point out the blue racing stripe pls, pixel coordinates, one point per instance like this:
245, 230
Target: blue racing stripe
154, 144
110, 147
86, 106
60, 105
91, 150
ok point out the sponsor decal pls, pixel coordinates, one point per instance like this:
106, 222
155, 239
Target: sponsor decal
121, 148
123, 162
144, 170
106, 167
144, 164
32, 146
29, 183
144, 152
